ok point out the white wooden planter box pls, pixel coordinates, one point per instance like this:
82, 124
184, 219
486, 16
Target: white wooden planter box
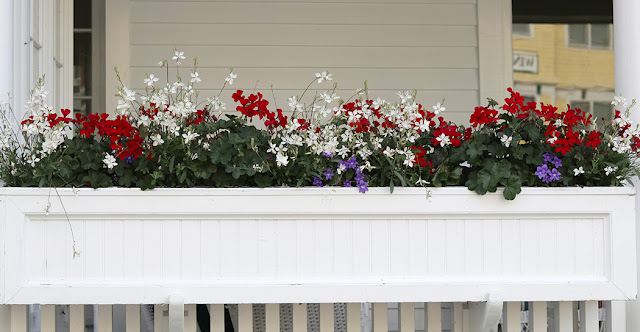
314, 245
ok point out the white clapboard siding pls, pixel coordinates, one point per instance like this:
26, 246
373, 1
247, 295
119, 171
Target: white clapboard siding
431, 46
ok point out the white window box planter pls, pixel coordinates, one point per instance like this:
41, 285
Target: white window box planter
316, 245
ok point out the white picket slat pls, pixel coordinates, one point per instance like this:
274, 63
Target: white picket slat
538, 316
434, 316
190, 322
272, 317
76, 318
216, 312
299, 317
511, 317
457, 317
407, 317
563, 318
465, 318
245, 317
19, 318
326, 317
48, 318
380, 320
132, 318
589, 316
160, 321
353, 317
105, 318
616, 316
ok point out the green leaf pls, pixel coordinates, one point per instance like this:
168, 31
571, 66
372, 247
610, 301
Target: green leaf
391, 186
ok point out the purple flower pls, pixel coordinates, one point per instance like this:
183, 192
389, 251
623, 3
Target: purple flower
351, 163
548, 157
329, 155
542, 172
554, 175
362, 186
347, 183
328, 174
556, 162
129, 159
317, 181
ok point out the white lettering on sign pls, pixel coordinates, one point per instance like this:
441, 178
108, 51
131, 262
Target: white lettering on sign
525, 62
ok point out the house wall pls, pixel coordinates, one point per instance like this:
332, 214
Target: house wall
276, 47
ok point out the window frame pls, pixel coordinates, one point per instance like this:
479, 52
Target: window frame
589, 45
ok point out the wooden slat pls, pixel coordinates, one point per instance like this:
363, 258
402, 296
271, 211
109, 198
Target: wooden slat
353, 317
465, 317
132, 317
407, 317
272, 317
76, 318
511, 317
616, 316
563, 318
457, 317
326, 317
538, 316
245, 317
434, 316
48, 318
589, 316
299, 317
105, 318
216, 312
19, 318
160, 321
190, 322
380, 320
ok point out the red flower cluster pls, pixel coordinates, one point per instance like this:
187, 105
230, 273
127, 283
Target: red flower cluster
378, 121
125, 140
255, 105
420, 158
635, 146
451, 132
484, 115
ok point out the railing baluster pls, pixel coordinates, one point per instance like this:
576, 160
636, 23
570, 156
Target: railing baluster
434, 317
132, 320
48, 318
407, 317
245, 317
380, 320
299, 317
538, 316
105, 318
19, 318
353, 317
272, 317
326, 317
616, 316
457, 317
589, 316
76, 318
511, 317
217, 317
190, 322
160, 321
563, 316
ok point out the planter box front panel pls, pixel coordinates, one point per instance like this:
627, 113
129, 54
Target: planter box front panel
259, 246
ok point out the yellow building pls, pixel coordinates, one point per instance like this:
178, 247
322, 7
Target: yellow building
565, 64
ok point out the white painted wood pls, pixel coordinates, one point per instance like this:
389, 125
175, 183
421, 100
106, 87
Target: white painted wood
616, 317
434, 317
47, 318
407, 317
5, 317
465, 318
299, 317
161, 318
326, 317
494, 48
457, 317
216, 312
354, 317
245, 318
76, 318
380, 318
190, 318
511, 317
19, 318
589, 316
538, 316
105, 318
176, 313
331, 244
272, 317
563, 319
133, 318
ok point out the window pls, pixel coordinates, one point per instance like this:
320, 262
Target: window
522, 30
599, 109
596, 36
88, 74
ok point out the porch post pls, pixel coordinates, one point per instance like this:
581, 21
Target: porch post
626, 29
6, 51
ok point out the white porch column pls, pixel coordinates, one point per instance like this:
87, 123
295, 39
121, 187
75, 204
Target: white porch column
626, 30
6, 51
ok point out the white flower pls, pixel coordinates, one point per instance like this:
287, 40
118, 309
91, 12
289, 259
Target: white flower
194, 156
404, 96
552, 140
178, 56
328, 97
230, 78
438, 108
578, 171
150, 80
157, 139
443, 139
190, 136
324, 76
205, 146
109, 161
195, 78
506, 140
558, 123
282, 160
619, 100
608, 170
257, 168
161, 63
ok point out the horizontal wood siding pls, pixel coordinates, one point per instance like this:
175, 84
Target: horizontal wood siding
426, 45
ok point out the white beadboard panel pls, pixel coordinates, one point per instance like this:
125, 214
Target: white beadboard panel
312, 1
181, 35
314, 58
305, 13
328, 244
297, 78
